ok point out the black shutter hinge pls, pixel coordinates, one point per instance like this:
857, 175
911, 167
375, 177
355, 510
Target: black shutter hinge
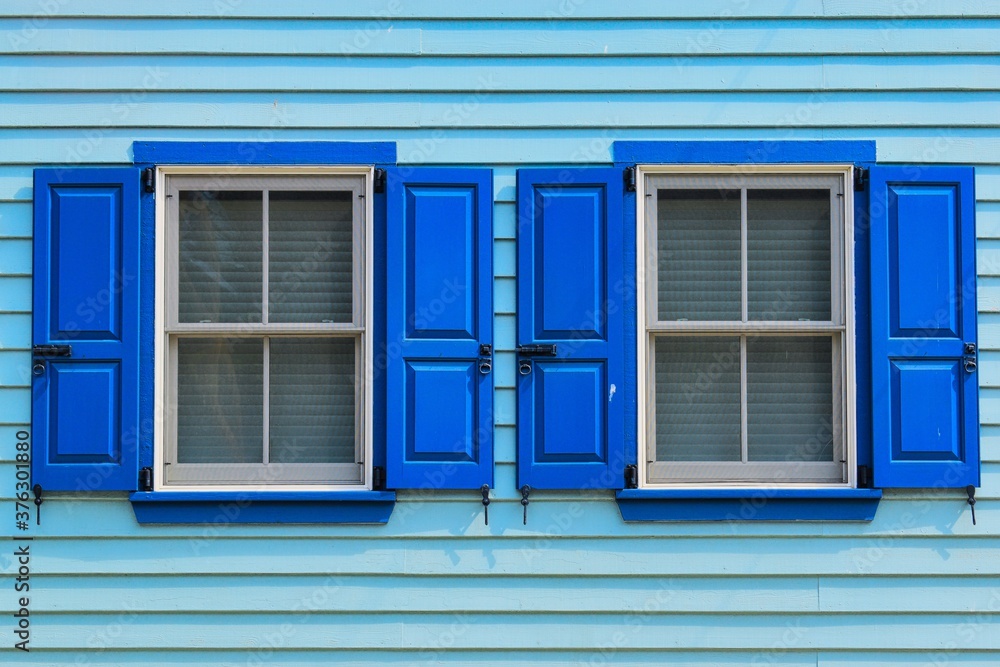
629, 179
860, 179
149, 180
378, 478
864, 477
378, 183
631, 477
146, 479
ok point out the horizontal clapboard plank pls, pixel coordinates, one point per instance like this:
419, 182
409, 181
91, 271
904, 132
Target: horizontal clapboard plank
988, 294
500, 110
988, 220
16, 402
15, 331
15, 257
989, 406
439, 654
989, 331
505, 407
430, 594
380, 10
383, 629
989, 441
15, 294
512, 147
658, 37
15, 369
987, 254
15, 217
480, 75
509, 594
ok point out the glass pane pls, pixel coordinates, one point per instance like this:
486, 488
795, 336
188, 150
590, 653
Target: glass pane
312, 400
221, 256
788, 254
220, 400
310, 257
698, 399
790, 398
698, 254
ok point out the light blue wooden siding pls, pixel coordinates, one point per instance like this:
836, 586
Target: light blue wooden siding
535, 83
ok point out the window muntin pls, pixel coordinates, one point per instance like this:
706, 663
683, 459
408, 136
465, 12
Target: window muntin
265, 331
744, 338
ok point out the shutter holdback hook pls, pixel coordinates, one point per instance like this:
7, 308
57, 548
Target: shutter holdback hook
971, 490
525, 490
485, 490
37, 490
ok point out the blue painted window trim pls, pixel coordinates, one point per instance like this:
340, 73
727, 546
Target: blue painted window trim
224, 507
748, 504
821, 504
264, 152
742, 152
196, 507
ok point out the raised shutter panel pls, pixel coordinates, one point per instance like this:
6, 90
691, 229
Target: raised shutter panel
439, 284
923, 280
85, 406
571, 406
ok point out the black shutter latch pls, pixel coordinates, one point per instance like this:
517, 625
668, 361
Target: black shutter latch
864, 478
43, 352
47, 351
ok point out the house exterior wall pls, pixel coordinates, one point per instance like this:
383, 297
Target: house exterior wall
513, 85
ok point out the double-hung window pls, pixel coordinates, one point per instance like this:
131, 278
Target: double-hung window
745, 364
286, 332
265, 334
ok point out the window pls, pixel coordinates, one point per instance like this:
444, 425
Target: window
745, 363
264, 343
263, 318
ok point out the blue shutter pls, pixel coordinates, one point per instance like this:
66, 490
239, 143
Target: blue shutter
85, 406
439, 300
923, 306
571, 406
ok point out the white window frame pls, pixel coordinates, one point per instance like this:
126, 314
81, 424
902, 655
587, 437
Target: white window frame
646, 274
165, 412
